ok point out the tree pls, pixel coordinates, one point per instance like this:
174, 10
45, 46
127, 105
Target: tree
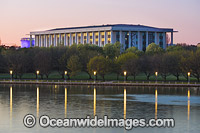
17, 61
112, 50
185, 63
175, 63
123, 58
154, 49
99, 64
74, 65
134, 50
132, 66
146, 65
42, 62
3, 64
174, 48
194, 62
86, 52
165, 65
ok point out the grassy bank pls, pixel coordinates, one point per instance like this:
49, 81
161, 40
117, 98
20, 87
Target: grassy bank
109, 77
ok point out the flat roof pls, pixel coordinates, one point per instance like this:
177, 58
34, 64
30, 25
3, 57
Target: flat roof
108, 25
114, 27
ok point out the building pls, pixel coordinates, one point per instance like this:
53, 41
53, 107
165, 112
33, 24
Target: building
129, 35
25, 42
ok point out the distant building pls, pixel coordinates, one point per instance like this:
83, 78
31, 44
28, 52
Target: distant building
129, 35
198, 45
25, 42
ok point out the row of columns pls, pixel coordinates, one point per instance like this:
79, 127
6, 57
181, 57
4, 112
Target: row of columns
41, 40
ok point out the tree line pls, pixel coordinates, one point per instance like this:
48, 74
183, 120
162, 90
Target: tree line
112, 58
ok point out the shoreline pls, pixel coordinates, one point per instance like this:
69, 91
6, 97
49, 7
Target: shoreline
101, 84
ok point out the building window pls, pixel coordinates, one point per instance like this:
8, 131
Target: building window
73, 39
91, 39
48, 41
85, 38
109, 37
58, 39
117, 36
68, 39
126, 40
102, 38
79, 38
143, 41
151, 37
96, 38
62, 39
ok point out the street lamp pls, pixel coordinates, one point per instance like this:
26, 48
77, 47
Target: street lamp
188, 77
125, 75
37, 72
95, 73
65, 75
11, 74
156, 73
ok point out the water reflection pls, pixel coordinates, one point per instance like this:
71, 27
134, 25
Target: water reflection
65, 102
124, 103
156, 102
38, 101
94, 101
11, 107
188, 104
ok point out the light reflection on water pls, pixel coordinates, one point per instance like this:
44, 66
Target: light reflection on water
182, 104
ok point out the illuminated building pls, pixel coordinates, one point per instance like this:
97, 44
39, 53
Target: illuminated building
25, 42
139, 36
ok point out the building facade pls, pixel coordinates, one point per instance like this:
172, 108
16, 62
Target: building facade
25, 42
129, 35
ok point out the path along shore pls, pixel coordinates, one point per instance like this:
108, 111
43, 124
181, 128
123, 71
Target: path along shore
110, 83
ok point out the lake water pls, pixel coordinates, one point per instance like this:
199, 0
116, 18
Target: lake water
182, 104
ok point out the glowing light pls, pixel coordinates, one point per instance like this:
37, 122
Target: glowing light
94, 101
125, 73
11, 72
156, 73
124, 103
38, 72
95, 73
188, 74
65, 72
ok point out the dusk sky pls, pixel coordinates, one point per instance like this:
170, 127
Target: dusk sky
20, 17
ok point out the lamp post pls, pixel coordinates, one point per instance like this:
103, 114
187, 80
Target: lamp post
95, 73
156, 73
125, 75
11, 74
65, 75
188, 77
37, 72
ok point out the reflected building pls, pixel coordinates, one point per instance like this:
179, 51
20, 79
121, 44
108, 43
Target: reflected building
129, 35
